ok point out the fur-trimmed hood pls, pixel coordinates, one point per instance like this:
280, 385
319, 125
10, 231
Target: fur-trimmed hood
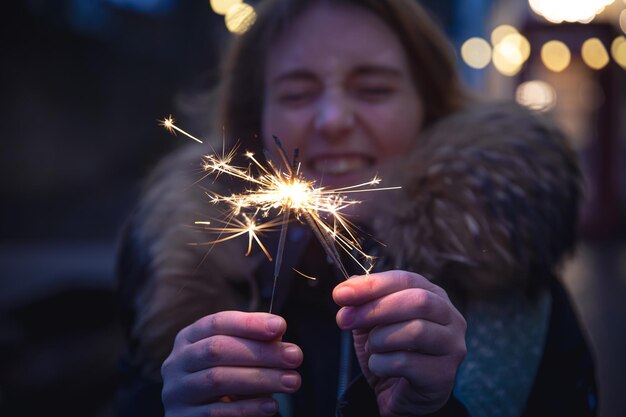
490, 199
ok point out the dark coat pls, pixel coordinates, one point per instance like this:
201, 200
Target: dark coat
488, 210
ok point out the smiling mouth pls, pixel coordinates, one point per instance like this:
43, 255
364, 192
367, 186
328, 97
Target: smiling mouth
339, 165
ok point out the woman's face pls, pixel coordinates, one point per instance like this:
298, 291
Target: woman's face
339, 88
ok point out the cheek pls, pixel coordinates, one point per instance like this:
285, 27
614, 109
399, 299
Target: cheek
289, 126
396, 129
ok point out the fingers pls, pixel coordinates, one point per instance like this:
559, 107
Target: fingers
421, 371
233, 351
229, 354
212, 384
250, 407
258, 326
420, 336
362, 289
406, 304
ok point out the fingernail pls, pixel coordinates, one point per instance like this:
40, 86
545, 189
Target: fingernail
346, 316
274, 324
292, 354
344, 292
290, 381
269, 407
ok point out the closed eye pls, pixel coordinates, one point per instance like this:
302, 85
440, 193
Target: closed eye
373, 93
292, 97
296, 87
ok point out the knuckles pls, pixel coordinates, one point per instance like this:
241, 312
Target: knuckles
213, 350
421, 300
415, 329
212, 381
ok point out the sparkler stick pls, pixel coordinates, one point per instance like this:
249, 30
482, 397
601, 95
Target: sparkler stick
276, 196
283, 229
329, 247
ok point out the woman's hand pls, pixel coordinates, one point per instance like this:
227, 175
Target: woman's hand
229, 364
408, 337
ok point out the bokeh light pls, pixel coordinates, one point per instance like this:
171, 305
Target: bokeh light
555, 56
558, 11
222, 6
510, 53
618, 51
536, 95
500, 32
239, 18
622, 20
594, 54
476, 52
520, 43
503, 64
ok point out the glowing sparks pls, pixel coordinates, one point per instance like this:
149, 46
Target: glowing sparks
168, 123
275, 192
239, 226
278, 196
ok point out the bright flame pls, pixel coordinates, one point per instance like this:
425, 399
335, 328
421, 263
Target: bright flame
239, 17
536, 95
555, 55
476, 52
558, 11
273, 195
594, 54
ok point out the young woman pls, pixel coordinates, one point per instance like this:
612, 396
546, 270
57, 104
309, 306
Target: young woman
487, 211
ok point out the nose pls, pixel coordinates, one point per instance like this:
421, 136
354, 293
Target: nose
335, 117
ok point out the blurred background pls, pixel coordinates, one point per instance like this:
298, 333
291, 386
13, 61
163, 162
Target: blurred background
84, 82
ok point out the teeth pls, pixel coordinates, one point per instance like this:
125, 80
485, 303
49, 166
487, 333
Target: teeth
339, 166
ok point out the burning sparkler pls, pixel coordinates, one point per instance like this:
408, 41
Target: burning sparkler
276, 195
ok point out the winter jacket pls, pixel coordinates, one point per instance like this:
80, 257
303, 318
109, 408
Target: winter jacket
487, 210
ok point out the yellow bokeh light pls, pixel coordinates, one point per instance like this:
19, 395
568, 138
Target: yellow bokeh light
501, 32
476, 52
506, 61
557, 11
519, 44
594, 54
622, 20
239, 18
510, 53
555, 55
616, 43
618, 51
536, 95
222, 6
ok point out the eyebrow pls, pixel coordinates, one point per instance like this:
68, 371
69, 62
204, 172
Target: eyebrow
364, 70
300, 74
295, 75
